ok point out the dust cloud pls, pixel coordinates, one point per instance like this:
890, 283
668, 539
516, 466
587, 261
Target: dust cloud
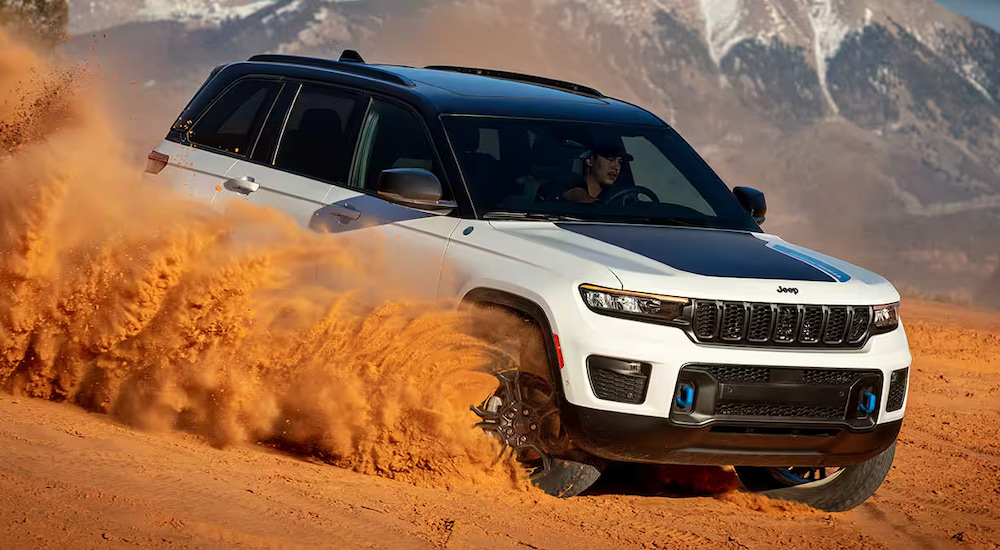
124, 299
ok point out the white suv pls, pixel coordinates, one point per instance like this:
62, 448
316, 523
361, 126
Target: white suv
669, 327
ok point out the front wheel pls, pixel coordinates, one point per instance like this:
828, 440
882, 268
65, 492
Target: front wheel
827, 489
523, 415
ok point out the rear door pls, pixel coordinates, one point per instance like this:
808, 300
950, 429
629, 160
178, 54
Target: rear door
222, 135
304, 152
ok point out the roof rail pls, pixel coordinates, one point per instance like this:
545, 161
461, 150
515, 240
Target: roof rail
506, 75
352, 67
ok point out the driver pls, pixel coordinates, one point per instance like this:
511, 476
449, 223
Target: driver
601, 167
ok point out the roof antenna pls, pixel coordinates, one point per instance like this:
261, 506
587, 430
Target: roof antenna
351, 56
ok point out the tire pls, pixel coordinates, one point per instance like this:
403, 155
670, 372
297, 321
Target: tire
843, 490
566, 470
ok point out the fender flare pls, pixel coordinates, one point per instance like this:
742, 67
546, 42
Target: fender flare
529, 309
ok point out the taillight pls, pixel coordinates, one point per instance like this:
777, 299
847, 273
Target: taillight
156, 162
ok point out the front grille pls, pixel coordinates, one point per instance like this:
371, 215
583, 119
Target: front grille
897, 390
734, 393
812, 323
760, 323
734, 373
859, 325
761, 375
782, 411
780, 325
706, 320
788, 323
830, 377
836, 325
734, 322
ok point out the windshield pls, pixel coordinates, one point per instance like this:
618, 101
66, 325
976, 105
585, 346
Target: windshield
548, 169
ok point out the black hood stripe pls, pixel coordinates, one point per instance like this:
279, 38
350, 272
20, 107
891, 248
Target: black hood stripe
715, 253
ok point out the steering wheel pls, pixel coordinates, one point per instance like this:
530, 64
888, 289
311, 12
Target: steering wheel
628, 191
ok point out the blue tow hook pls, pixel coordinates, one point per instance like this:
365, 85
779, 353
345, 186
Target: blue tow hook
686, 398
868, 403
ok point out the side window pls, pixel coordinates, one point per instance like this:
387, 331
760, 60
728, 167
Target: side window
233, 122
318, 139
394, 138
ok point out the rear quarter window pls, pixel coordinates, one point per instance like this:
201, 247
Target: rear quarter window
234, 120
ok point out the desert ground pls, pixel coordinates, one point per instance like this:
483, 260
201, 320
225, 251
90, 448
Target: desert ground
74, 479
164, 386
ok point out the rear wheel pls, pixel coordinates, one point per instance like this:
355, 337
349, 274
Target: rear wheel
828, 489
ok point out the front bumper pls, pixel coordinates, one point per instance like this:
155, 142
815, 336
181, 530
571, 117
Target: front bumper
634, 438
736, 418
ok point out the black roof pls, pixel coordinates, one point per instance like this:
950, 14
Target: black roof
460, 90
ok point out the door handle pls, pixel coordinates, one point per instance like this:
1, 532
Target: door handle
345, 212
244, 185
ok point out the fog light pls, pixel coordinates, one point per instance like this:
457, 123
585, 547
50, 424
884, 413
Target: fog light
897, 390
619, 380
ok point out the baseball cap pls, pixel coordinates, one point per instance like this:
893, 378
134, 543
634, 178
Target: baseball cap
610, 150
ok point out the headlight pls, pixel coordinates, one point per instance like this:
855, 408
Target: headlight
636, 305
886, 317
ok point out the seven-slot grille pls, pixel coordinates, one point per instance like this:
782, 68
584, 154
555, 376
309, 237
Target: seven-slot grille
781, 325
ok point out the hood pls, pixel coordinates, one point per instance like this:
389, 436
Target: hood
715, 253
710, 263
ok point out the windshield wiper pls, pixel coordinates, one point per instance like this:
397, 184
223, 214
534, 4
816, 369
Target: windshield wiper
528, 216
635, 220
686, 222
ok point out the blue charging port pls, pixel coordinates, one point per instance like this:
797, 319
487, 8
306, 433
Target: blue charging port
868, 403
686, 398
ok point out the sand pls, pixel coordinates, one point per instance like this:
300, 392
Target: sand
166, 385
73, 479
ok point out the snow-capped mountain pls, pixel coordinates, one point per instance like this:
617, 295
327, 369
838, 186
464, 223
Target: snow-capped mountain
91, 15
874, 126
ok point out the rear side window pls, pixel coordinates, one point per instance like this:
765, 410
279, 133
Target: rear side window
318, 140
232, 123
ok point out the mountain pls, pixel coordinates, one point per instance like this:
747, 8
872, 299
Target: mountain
873, 127
94, 15
986, 12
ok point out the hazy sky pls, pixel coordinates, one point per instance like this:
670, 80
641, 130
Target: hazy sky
986, 12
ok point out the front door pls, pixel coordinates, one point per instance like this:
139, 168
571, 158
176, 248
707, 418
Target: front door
408, 243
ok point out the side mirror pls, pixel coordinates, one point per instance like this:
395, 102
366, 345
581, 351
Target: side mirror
754, 202
413, 187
